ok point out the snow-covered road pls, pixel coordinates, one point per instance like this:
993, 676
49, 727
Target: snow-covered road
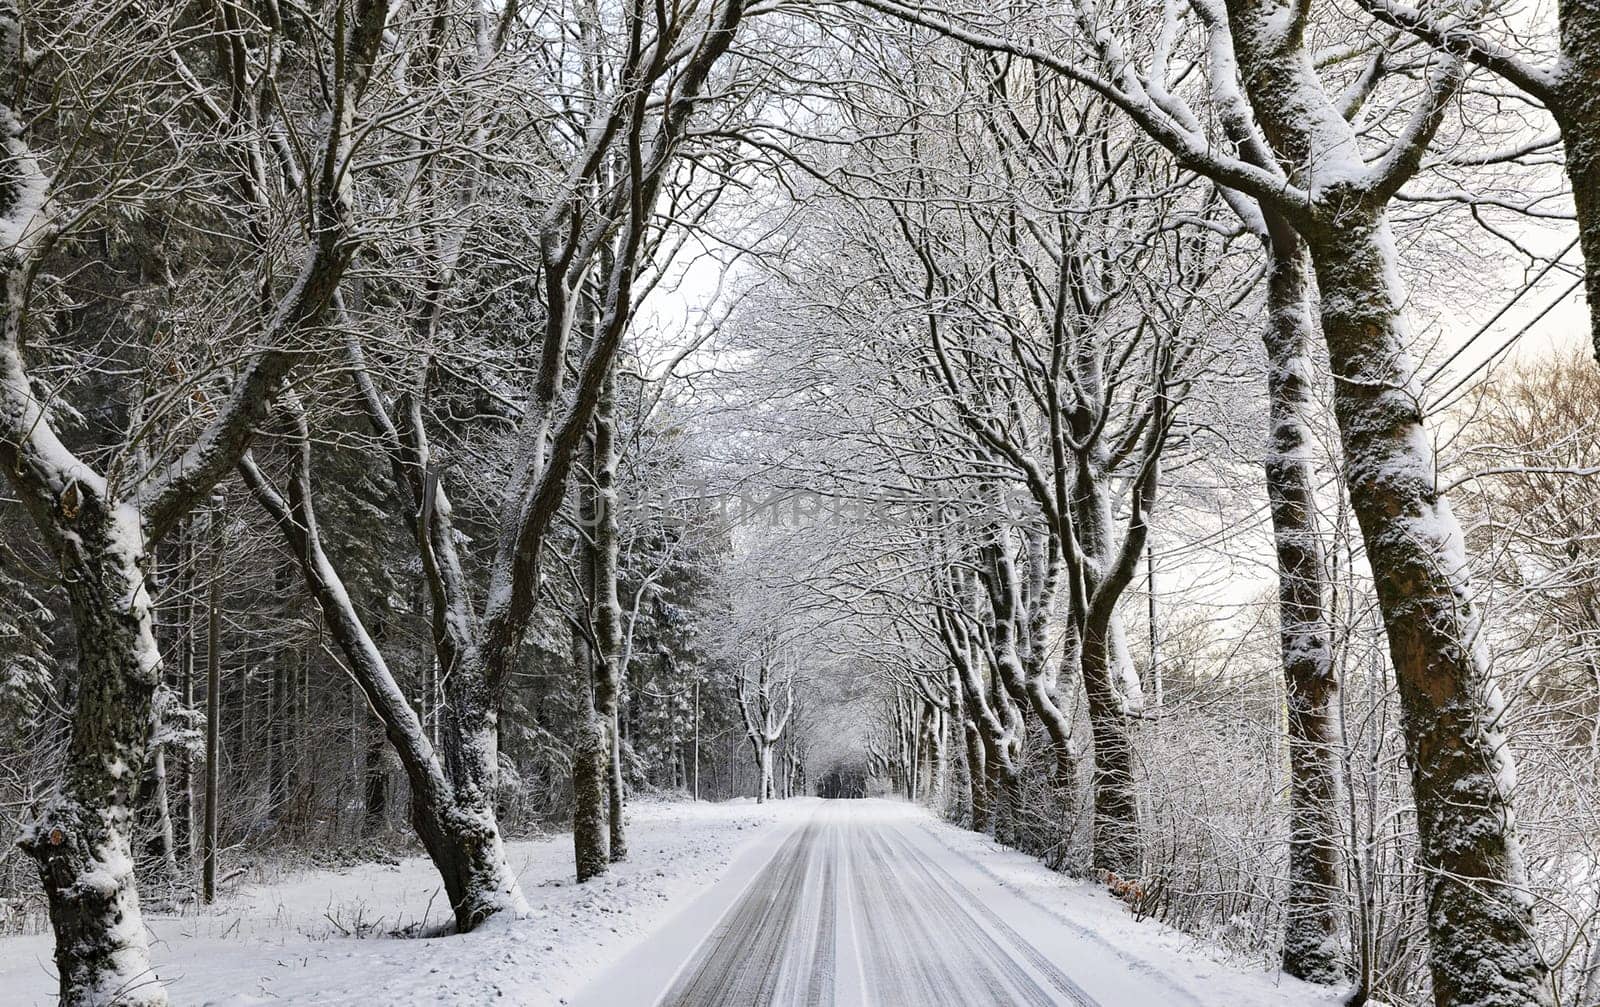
866, 893
791, 902
866, 903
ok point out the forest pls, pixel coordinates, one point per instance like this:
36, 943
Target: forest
1159, 438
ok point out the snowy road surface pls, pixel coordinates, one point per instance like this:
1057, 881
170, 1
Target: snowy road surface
913, 933
792, 902
866, 904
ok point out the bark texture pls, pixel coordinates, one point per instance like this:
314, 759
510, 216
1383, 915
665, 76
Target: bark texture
1480, 913
81, 838
1111, 687
608, 610
1116, 800
1577, 111
590, 840
1313, 940
1482, 951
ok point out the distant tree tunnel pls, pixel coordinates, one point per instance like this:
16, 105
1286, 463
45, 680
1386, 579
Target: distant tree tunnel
843, 782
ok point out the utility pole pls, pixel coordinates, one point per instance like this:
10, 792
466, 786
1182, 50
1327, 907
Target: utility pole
697, 738
208, 840
1155, 631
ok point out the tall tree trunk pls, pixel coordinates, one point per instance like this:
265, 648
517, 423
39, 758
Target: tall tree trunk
616, 793
81, 838
1003, 756
990, 765
1482, 949
1582, 135
590, 837
183, 757
1577, 111
607, 607
964, 737
978, 818
1110, 681
280, 708
1116, 801
208, 842
166, 840
1313, 942
158, 800
936, 757
374, 783
764, 764
1024, 677
1480, 912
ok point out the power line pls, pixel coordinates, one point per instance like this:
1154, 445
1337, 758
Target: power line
1498, 314
1490, 359
1259, 515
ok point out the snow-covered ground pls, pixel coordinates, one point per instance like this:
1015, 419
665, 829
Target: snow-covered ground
285, 943
323, 937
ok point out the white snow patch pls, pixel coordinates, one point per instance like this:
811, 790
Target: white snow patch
287, 942
22, 221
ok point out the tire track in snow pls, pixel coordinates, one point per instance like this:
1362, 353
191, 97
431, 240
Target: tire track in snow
970, 906
911, 933
745, 958
945, 954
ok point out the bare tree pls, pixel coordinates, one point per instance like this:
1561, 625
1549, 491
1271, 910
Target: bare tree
765, 686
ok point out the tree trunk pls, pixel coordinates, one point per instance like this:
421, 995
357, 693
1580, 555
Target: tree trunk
375, 784
1003, 757
764, 764
183, 757
607, 607
966, 737
589, 834
1111, 684
1116, 801
1482, 950
1576, 106
82, 837
992, 723
615, 793
157, 800
1005, 809
208, 842
1313, 942
452, 805
591, 756
1579, 117
1480, 916
1024, 680
166, 840
977, 779
280, 712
